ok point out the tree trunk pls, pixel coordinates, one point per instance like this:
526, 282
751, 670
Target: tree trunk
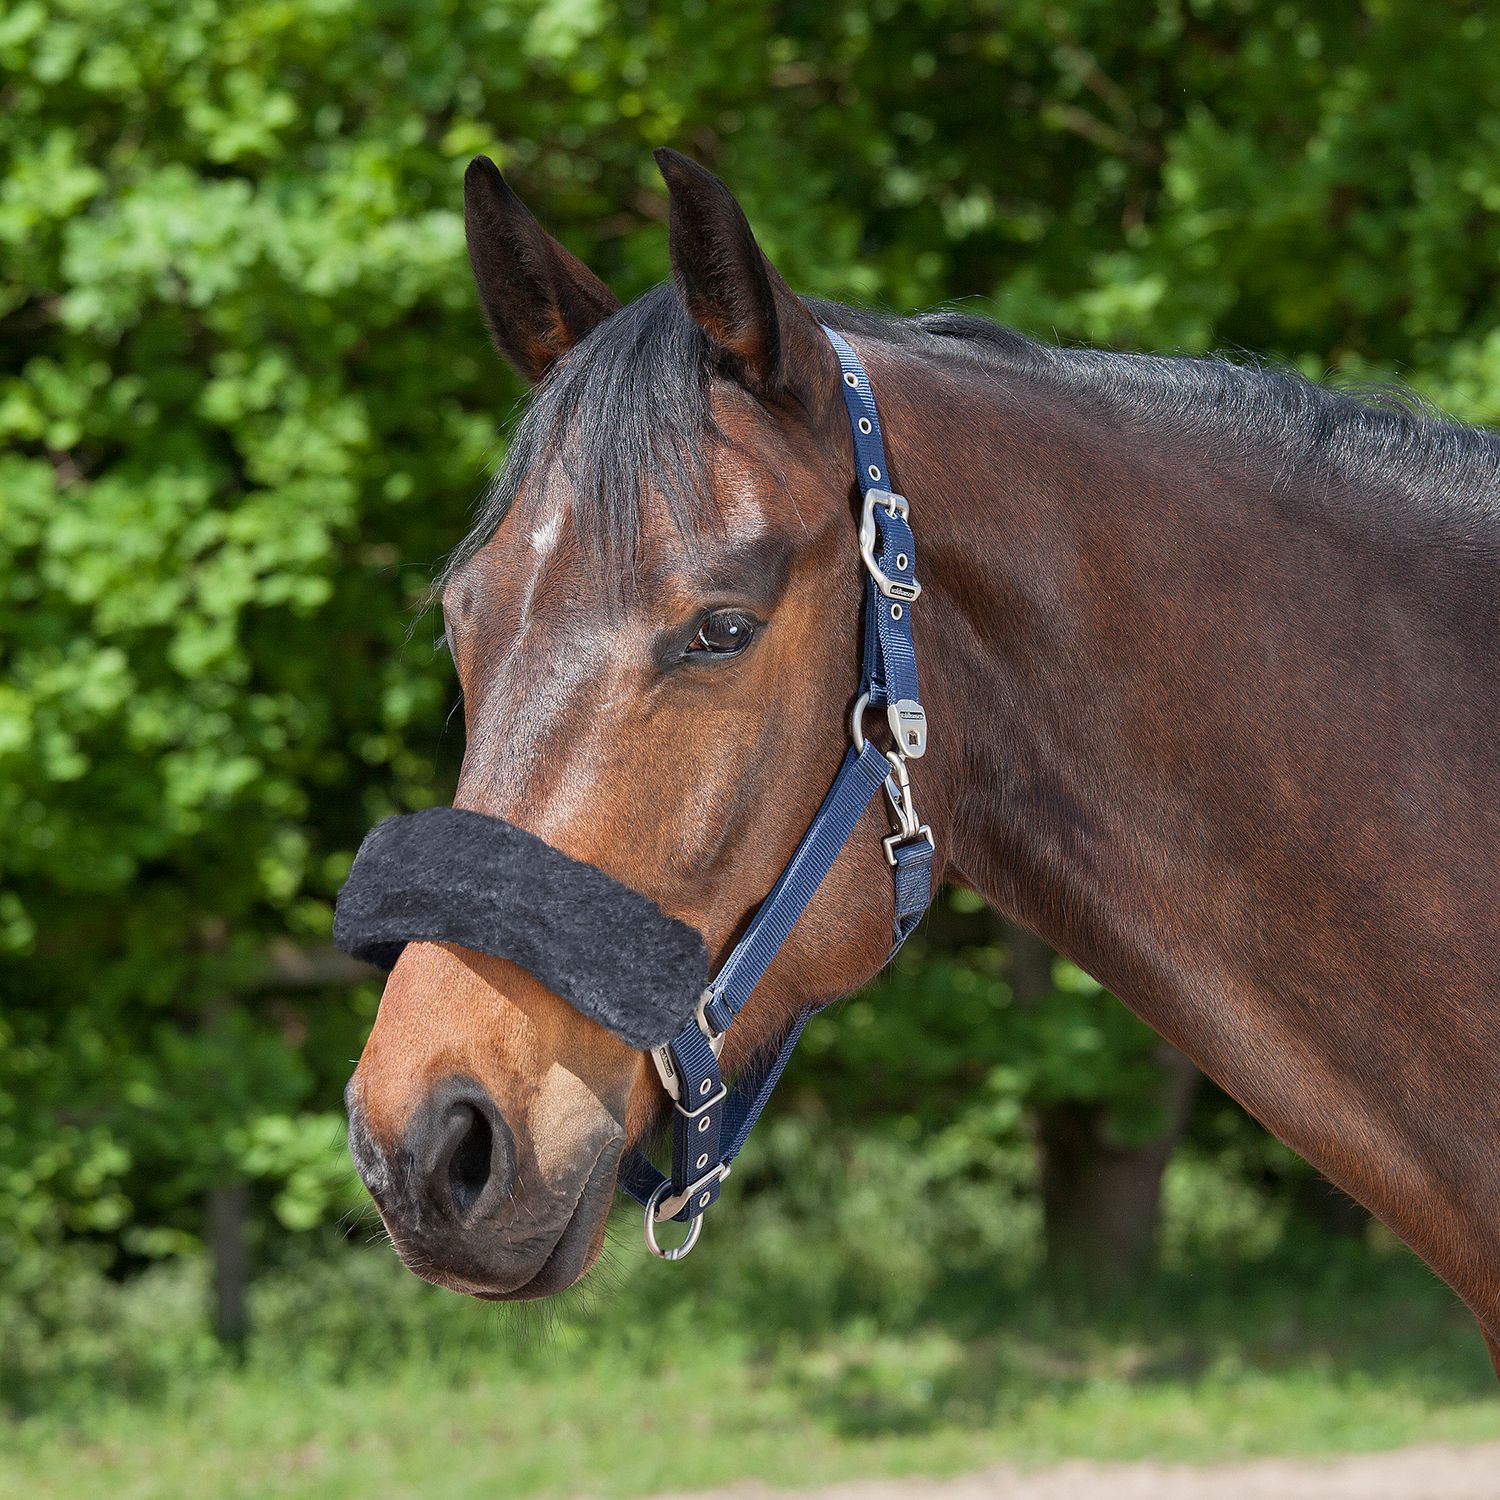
228, 1213
1101, 1199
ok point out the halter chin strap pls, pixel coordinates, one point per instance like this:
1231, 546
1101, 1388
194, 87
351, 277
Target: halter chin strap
710, 1120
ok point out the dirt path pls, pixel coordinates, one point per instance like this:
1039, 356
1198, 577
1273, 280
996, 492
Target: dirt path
1408, 1474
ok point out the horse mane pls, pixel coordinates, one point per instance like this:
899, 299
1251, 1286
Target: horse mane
1412, 466
627, 415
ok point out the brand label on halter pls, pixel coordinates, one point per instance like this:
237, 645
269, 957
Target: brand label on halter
908, 721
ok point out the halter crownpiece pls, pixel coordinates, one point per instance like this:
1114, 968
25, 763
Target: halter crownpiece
451, 875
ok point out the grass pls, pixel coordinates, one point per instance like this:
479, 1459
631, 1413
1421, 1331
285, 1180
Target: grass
598, 1430
840, 1335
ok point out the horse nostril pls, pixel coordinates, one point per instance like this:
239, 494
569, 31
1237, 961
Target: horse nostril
456, 1156
471, 1156
462, 1148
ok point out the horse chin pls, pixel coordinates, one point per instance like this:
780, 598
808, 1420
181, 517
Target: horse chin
577, 1247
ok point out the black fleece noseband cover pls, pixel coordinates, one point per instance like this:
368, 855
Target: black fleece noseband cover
448, 875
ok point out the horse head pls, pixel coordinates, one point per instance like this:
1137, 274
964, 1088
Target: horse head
656, 627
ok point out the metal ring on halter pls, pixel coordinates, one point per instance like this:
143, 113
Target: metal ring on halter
695, 1228
857, 720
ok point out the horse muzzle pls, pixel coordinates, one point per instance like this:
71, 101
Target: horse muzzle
469, 1210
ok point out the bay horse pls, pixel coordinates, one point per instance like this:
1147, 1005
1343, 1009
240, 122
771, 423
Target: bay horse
1208, 660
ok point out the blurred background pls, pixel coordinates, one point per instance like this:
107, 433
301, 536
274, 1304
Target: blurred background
246, 404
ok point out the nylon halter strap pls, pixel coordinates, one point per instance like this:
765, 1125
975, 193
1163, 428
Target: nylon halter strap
710, 1121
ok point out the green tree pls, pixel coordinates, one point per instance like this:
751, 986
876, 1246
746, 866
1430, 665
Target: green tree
245, 405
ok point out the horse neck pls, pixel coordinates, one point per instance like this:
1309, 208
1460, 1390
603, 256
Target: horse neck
1206, 745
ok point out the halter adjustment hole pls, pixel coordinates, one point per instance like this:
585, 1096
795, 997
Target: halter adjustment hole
851, 379
864, 426
873, 471
902, 560
897, 611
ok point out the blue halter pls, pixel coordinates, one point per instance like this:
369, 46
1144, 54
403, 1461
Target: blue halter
709, 1119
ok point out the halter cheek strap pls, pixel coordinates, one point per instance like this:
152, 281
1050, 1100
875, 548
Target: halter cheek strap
710, 1121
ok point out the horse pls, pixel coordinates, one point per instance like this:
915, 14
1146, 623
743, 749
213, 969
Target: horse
1207, 659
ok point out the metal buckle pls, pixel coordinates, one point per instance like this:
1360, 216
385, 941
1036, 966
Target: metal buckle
895, 505
666, 1069
893, 842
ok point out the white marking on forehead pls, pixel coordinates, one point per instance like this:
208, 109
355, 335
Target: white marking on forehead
743, 512
544, 537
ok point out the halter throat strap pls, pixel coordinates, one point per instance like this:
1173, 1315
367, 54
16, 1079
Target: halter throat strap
710, 1121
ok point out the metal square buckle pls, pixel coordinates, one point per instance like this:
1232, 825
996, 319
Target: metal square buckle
900, 839
661, 1056
894, 505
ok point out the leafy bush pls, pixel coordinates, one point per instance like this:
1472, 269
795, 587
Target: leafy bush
245, 405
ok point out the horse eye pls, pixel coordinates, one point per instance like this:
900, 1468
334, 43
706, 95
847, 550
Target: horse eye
725, 632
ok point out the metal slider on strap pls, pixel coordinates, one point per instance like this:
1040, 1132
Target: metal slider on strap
666, 1068
692, 1114
668, 1207
893, 505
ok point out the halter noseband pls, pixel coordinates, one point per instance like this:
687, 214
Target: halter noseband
709, 1120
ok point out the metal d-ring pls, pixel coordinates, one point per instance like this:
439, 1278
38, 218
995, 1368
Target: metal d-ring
857, 721
695, 1228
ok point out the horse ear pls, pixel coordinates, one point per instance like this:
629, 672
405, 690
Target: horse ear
731, 290
538, 298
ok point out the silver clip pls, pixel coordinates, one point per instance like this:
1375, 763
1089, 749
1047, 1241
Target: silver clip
894, 505
908, 721
898, 790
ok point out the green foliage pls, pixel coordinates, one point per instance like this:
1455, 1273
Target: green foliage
70, 1335
245, 405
